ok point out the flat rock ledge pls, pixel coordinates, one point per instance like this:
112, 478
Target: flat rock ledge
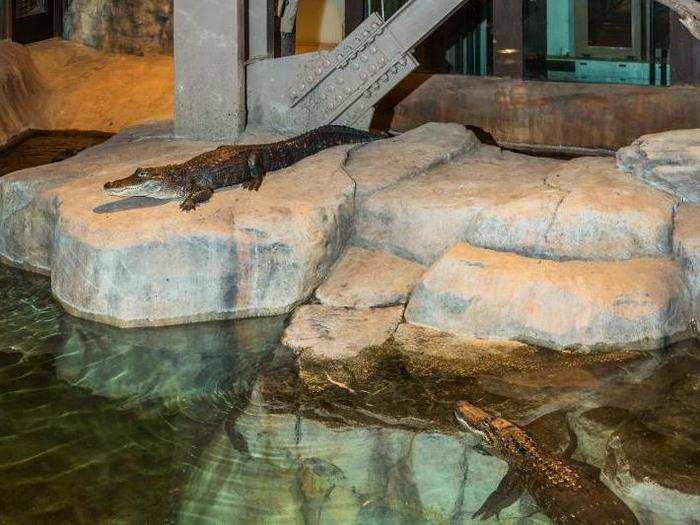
368, 279
669, 161
485, 294
336, 346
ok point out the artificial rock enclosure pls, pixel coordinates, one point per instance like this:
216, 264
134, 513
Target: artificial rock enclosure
451, 257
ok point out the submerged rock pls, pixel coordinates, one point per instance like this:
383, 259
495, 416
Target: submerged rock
366, 279
427, 352
334, 344
582, 209
686, 244
656, 473
593, 429
669, 161
641, 303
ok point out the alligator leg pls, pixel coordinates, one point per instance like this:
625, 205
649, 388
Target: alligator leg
256, 172
508, 491
197, 196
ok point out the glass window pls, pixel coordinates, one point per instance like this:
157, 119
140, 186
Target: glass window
606, 41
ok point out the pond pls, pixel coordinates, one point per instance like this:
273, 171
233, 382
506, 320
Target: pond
208, 424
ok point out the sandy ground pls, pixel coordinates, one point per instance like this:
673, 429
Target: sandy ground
66, 85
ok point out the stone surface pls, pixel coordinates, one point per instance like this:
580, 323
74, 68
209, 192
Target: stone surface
28, 200
686, 246
366, 279
669, 161
243, 254
120, 26
429, 352
408, 155
210, 78
582, 209
339, 347
21, 91
640, 303
340, 333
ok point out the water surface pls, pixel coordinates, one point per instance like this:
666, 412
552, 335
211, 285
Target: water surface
209, 423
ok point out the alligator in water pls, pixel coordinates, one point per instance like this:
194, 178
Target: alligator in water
195, 180
567, 491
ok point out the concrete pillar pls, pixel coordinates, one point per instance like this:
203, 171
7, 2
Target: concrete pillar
209, 68
261, 28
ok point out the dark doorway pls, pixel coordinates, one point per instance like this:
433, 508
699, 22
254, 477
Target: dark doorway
35, 20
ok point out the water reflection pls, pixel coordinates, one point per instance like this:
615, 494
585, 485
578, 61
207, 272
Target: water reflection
209, 423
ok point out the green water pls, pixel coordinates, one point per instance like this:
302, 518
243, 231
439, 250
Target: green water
204, 424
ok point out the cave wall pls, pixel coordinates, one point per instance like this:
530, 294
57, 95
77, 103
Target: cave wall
138, 27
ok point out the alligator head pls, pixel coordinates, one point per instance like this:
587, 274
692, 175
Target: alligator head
490, 428
157, 183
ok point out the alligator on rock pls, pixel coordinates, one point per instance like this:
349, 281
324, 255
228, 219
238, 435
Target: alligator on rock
195, 180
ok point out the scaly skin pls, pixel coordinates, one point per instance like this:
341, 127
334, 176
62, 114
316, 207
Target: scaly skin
195, 180
567, 491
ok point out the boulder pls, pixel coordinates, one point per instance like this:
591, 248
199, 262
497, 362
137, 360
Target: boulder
581, 209
686, 247
640, 303
387, 162
242, 254
28, 198
368, 278
669, 161
338, 345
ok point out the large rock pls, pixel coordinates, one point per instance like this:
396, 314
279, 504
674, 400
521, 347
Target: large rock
582, 209
243, 254
28, 198
388, 162
338, 346
479, 293
686, 244
669, 161
366, 279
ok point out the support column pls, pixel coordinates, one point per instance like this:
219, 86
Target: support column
209, 68
508, 39
261, 29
